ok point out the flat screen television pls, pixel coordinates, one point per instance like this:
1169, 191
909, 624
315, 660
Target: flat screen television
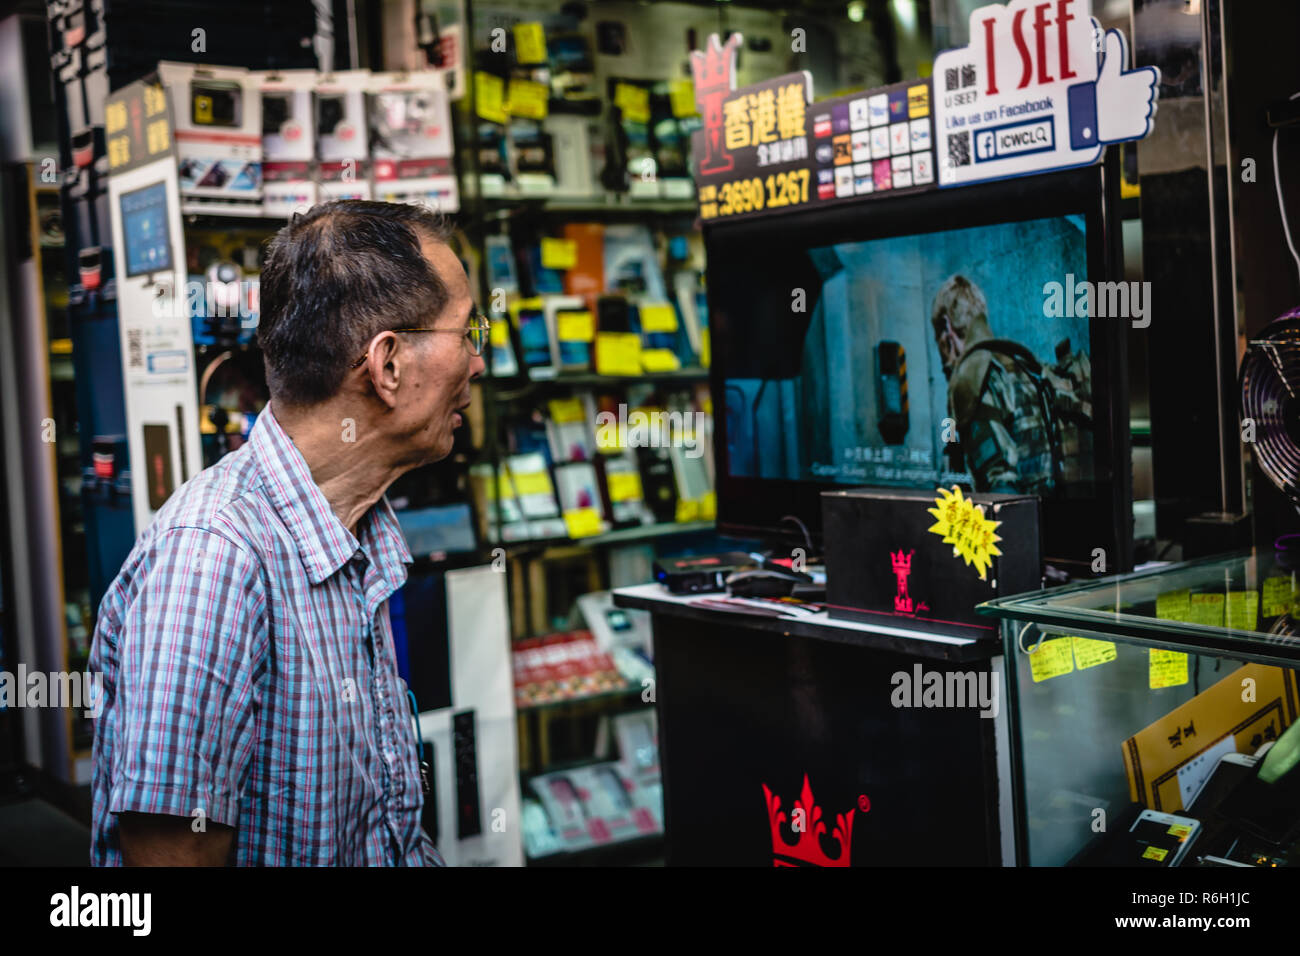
144, 230
919, 342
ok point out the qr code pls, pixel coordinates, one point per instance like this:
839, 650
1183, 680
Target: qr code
134, 349
959, 148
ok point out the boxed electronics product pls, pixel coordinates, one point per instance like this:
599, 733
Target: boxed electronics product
1168, 761
579, 154
924, 559
410, 140
342, 139
288, 141
217, 119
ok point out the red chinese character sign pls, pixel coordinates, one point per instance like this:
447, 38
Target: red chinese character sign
1040, 87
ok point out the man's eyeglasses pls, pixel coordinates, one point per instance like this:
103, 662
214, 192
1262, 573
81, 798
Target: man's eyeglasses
476, 335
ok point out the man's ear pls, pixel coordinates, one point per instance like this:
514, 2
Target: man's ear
384, 366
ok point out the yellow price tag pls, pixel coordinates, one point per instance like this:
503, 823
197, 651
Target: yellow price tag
1154, 853
583, 522
532, 483
1166, 668
1206, 609
575, 326
1242, 610
498, 332
709, 506
559, 253
202, 109
119, 152
1090, 653
1278, 597
530, 43
565, 410
1180, 830
158, 137
681, 97
618, 353
1173, 605
489, 97
624, 486
687, 510
658, 317
1052, 659
660, 360
706, 350
527, 99
634, 101
114, 117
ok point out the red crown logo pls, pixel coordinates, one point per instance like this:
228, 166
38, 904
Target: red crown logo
713, 66
808, 850
902, 562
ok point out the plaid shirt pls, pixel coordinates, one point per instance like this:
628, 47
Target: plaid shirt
249, 671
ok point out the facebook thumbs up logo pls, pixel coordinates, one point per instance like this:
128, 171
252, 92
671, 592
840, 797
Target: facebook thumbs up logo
1120, 105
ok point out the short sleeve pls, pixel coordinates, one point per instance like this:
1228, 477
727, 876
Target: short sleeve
191, 649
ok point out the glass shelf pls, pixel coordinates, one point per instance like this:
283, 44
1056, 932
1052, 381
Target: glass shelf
1242, 606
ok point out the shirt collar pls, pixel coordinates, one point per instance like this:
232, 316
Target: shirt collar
324, 545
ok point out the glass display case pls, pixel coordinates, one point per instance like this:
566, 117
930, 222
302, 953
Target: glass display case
1145, 710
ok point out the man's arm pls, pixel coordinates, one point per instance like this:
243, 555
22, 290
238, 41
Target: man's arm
191, 648
153, 839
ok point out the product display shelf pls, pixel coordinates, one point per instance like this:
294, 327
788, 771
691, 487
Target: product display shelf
1135, 693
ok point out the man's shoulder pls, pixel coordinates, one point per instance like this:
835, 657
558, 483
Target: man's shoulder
225, 501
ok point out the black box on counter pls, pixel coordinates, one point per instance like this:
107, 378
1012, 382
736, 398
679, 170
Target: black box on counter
924, 559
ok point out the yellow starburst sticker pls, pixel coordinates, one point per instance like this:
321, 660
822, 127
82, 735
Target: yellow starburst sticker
962, 524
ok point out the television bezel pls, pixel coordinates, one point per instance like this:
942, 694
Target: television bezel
1072, 528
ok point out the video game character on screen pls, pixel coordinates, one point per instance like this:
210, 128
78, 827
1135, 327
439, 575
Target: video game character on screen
1024, 426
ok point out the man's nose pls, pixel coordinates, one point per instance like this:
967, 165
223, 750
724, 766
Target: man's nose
477, 366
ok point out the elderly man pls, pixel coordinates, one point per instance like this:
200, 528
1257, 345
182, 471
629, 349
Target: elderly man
254, 712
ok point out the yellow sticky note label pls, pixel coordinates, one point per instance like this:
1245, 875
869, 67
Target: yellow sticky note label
1278, 596
575, 326
634, 101
530, 43
918, 101
565, 410
505, 489
658, 317
1166, 668
202, 109
681, 97
660, 360
624, 486
709, 506
490, 97
1090, 653
582, 522
687, 509
1173, 605
1154, 853
532, 483
1242, 610
559, 253
1180, 830
115, 116
499, 332
527, 99
1206, 609
1052, 659
618, 353
963, 524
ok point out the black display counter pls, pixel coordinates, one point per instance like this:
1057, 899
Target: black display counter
808, 741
